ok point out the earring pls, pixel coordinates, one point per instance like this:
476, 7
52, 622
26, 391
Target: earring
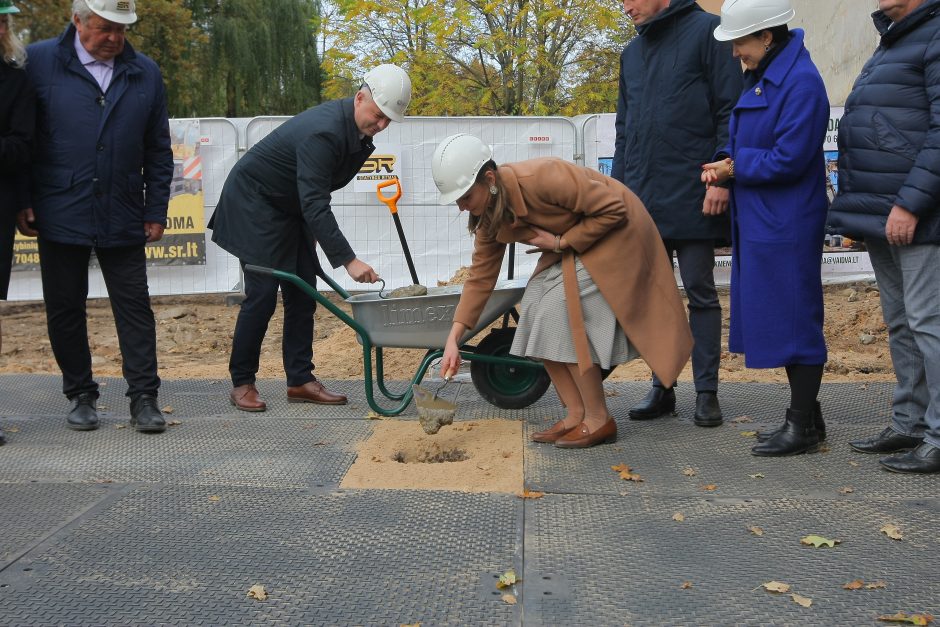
766, 48
493, 190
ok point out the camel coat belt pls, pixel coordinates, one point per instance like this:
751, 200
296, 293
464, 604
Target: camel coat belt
607, 226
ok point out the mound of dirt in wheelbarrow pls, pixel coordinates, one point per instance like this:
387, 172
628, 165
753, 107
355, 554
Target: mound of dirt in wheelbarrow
471, 456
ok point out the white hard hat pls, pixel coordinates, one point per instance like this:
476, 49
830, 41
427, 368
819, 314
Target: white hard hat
745, 17
118, 11
391, 90
456, 162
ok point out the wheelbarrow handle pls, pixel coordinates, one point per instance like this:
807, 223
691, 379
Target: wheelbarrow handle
391, 201
259, 269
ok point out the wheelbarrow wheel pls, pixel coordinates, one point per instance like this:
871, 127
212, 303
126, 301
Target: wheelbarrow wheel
507, 387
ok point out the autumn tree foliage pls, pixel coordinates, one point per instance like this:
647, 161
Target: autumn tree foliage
476, 57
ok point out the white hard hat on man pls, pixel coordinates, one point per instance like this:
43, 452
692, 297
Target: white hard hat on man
746, 17
117, 11
391, 90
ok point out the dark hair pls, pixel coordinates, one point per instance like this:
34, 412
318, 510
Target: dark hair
499, 213
779, 35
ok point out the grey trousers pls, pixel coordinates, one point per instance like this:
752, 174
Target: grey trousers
909, 282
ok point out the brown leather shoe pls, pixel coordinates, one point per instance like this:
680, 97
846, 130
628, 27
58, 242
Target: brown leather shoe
580, 437
551, 435
313, 392
246, 398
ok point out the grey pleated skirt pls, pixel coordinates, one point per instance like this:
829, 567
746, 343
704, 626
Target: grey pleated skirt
544, 331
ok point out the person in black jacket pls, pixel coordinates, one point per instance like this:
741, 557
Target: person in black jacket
889, 195
274, 210
17, 121
677, 88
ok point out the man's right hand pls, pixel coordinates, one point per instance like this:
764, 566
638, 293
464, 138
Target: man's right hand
26, 221
361, 272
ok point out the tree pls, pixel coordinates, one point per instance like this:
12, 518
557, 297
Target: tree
520, 57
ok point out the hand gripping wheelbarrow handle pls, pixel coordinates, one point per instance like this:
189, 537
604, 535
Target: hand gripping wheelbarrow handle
391, 201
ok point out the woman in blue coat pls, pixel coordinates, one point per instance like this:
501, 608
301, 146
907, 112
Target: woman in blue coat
774, 164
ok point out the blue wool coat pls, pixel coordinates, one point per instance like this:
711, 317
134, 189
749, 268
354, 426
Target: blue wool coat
778, 213
103, 164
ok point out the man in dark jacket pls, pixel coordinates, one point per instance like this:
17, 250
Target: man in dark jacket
889, 195
678, 85
275, 208
101, 181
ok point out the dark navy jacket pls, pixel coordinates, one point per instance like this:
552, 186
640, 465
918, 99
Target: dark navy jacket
277, 197
678, 85
103, 164
889, 136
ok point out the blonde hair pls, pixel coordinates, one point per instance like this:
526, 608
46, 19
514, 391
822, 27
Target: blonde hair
14, 53
497, 215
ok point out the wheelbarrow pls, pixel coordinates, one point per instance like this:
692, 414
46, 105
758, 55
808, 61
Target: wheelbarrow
505, 381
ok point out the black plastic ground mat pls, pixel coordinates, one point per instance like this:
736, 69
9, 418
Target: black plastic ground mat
190, 554
608, 560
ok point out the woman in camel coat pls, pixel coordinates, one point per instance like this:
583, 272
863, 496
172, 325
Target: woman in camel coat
601, 292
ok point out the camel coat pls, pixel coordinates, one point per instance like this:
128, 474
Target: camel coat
605, 224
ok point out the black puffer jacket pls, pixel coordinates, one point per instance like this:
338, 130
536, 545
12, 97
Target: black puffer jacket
678, 85
889, 136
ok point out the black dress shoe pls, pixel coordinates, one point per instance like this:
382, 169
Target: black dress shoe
146, 416
763, 436
3, 438
707, 411
923, 459
888, 441
658, 401
83, 416
797, 436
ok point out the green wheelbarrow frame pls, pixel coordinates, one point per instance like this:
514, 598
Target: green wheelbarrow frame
483, 364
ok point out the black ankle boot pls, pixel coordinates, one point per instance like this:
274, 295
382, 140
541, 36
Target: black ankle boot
797, 435
817, 419
657, 402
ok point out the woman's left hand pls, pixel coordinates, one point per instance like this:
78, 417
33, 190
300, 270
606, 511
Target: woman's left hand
716, 172
543, 239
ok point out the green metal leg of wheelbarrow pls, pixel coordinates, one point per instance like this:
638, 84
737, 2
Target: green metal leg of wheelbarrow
367, 346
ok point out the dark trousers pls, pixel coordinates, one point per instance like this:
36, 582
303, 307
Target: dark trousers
697, 269
64, 270
256, 311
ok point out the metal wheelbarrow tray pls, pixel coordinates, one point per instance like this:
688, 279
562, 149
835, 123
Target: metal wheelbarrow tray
424, 322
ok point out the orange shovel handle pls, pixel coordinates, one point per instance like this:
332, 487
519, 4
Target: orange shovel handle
389, 200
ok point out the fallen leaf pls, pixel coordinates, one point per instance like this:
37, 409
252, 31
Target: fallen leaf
846, 490
374, 416
410, 625
686, 585
120, 426
689, 472
757, 531
801, 600
818, 541
13, 429
167, 410
892, 531
875, 585
257, 592
215, 498
741, 419
824, 448
531, 494
321, 443
911, 619
509, 599
855, 584
173, 423
678, 517
507, 579
711, 487
749, 434
759, 475
852, 462
626, 473
776, 586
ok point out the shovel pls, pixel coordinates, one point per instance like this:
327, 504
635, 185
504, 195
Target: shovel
434, 412
392, 201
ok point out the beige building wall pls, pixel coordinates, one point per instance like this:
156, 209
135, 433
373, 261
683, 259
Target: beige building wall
839, 35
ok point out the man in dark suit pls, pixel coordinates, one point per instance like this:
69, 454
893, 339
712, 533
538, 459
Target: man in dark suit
275, 208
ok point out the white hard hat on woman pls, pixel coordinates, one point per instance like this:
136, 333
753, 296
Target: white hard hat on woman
745, 17
456, 162
391, 89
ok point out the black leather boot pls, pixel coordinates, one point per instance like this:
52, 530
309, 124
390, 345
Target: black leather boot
3, 438
83, 416
658, 401
763, 436
146, 416
797, 435
707, 410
